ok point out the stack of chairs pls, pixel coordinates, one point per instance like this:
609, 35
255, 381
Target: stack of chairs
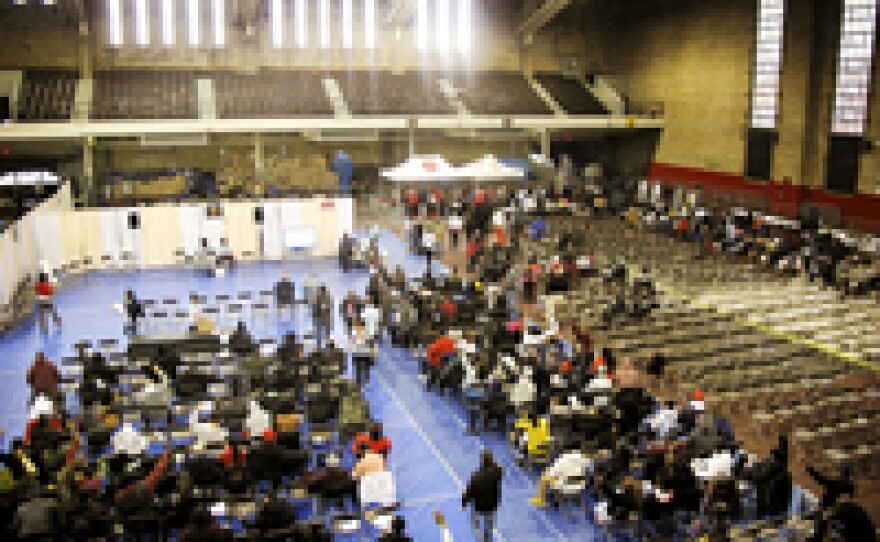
388, 93
271, 94
498, 93
47, 95
145, 94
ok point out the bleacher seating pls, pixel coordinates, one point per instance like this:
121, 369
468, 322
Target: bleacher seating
271, 94
47, 95
498, 93
571, 95
386, 93
145, 94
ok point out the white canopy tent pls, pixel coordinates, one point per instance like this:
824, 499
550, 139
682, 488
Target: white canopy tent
28, 178
423, 168
488, 168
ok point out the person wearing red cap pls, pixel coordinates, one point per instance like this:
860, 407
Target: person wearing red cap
374, 440
45, 293
439, 350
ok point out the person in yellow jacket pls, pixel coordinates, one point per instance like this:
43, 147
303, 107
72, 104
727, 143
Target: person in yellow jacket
536, 433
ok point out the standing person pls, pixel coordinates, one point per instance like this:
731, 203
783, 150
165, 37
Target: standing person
323, 315
285, 293
45, 292
483, 492
348, 310
456, 223
361, 354
43, 378
133, 309
372, 318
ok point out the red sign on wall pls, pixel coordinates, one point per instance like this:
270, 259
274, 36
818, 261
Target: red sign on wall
327, 204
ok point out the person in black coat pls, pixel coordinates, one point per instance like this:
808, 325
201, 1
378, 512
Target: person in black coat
134, 309
833, 488
240, 342
483, 492
397, 532
772, 481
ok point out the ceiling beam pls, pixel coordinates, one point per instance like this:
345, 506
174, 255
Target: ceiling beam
543, 14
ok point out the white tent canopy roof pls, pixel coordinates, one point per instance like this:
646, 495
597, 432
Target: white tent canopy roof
489, 168
25, 178
422, 168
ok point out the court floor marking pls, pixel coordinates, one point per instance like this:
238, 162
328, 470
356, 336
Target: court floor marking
424, 436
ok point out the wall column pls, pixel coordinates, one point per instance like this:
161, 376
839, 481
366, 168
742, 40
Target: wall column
88, 174
412, 140
545, 143
258, 157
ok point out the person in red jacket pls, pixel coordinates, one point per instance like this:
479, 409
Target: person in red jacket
43, 378
45, 293
437, 353
374, 440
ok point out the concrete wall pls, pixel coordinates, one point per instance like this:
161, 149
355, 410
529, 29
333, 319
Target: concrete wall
695, 57
37, 37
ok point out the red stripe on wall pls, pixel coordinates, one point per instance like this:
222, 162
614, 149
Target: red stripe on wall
859, 211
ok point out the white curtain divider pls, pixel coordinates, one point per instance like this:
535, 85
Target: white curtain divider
190, 217
112, 221
240, 227
273, 234
213, 228
7, 275
47, 232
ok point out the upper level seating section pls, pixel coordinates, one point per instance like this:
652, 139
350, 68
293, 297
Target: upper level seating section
271, 95
571, 94
498, 93
47, 95
145, 95
386, 93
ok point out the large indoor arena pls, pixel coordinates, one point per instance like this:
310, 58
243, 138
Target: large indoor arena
439, 270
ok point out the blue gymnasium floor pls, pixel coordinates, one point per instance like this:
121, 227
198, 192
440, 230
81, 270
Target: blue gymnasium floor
432, 457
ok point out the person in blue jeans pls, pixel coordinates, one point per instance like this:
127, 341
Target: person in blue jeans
483, 493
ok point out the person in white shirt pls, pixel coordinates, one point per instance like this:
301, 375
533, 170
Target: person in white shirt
566, 476
361, 353
456, 223
372, 318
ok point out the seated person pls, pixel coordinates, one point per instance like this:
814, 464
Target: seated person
331, 483
566, 476
274, 518
368, 462
225, 256
240, 342
532, 435
285, 293
375, 440
397, 532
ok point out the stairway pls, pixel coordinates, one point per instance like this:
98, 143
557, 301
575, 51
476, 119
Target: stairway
607, 95
452, 95
334, 94
546, 97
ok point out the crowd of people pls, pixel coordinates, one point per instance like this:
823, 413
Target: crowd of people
791, 246
215, 439
570, 408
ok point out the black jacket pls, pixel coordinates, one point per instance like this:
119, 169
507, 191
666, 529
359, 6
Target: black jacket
484, 488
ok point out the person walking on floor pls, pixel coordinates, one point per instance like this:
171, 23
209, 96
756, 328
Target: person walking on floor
483, 493
361, 354
44, 379
45, 292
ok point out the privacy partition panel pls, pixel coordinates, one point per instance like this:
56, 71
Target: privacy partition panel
56, 235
